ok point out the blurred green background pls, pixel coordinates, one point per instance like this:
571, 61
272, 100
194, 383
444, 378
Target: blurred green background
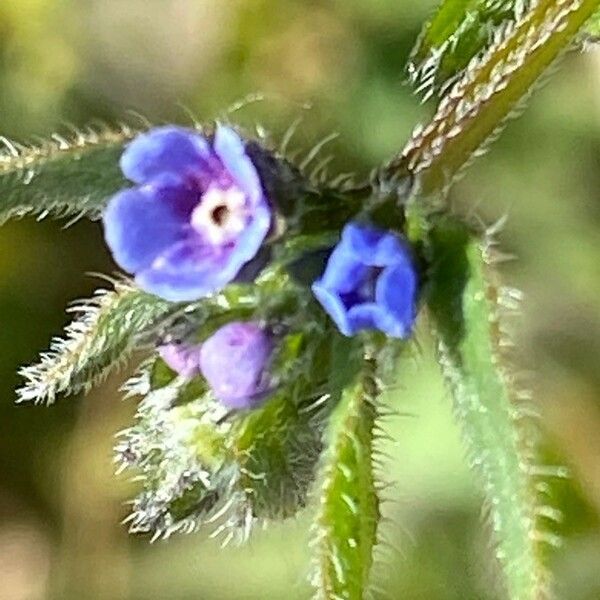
337, 66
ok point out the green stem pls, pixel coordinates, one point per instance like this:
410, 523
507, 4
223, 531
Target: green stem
490, 91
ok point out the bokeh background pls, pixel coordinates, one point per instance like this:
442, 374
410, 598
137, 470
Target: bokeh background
336, 66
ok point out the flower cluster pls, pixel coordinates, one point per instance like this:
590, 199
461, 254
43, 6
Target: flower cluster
197, 219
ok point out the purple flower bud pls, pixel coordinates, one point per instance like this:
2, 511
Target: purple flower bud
234, 361
183, 358
196, 217
370, 282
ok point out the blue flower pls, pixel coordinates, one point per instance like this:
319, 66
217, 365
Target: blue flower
370, 282
197, 215
234, 361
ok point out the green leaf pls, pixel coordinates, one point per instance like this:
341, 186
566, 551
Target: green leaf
346, 523
99, 339
592, 28
491, 90
62, 177
458, 31
465, 305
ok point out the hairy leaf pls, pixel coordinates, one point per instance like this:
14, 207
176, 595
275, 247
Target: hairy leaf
201, 465
100, 338
458, 31
491, 90
67, 177
276, 450
465, 305
348, 514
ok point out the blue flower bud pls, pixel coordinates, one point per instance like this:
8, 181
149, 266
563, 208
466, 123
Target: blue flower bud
234, 361
370, 282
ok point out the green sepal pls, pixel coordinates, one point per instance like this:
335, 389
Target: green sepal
160, 374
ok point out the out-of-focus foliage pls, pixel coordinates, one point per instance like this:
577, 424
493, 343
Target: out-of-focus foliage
59, 501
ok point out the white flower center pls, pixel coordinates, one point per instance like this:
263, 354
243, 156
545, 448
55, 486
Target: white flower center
221, 214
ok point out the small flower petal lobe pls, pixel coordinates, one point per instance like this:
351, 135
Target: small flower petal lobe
162, 150
183, 358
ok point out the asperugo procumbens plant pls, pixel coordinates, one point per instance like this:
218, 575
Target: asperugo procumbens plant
273, 306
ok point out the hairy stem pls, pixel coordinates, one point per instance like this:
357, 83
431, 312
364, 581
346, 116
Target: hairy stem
491, 90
